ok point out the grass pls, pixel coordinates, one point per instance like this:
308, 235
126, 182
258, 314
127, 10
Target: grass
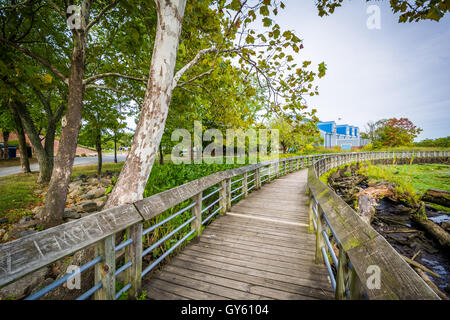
413, 180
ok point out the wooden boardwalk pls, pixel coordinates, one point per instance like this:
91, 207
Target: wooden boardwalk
261, 249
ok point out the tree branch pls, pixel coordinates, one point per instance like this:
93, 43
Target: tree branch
101, 13
191, 63
112, 74
37, 58
60, 11
95, 86
14, 6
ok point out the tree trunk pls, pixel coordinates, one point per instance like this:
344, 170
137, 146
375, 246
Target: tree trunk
441, 197
24, 161
5, 145
98, 147
44, 159
136, 170
442, 236
55, 202
161, 155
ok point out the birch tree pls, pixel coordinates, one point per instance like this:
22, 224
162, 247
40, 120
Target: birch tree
263, 54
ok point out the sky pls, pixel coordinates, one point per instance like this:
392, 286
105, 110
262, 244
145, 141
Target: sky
399, 70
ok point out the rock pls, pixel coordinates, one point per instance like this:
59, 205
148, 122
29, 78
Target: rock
101, 202
87, 206
97, 193
77, 192
24, 219
23, 287
75, 185
2, 232
3, 220
105, 181
71, 213
25, 233
37, 210
81, 177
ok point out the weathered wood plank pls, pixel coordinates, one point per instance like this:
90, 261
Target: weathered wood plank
255, 280
22, 256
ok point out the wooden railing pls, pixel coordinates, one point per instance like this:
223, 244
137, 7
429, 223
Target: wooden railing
30, 253
33, 252
363, 254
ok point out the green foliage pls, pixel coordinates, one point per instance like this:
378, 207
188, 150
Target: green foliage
439, 142
408, 11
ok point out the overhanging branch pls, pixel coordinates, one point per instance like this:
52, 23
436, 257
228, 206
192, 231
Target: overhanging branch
37, 58
112, 74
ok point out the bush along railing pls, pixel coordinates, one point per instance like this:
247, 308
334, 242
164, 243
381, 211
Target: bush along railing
366, 266
197, 202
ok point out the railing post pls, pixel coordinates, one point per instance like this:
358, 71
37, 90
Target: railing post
319, 240
244, 185
340, 276
197, 212
277, 170
355, 286
106, 269
133, 254
228, 184
223, 196
310, 211
258, 178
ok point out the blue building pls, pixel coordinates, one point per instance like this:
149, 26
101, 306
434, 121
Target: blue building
341, 135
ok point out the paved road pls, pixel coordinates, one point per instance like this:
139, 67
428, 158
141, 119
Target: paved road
79, 161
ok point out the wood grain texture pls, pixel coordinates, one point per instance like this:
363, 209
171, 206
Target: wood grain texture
245, 257
22, 256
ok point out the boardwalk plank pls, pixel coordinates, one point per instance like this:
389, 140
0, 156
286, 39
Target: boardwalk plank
261, 249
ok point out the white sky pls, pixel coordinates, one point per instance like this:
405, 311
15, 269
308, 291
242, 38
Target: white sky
400, 70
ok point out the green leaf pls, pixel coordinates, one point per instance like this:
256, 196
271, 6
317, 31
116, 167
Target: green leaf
267, 22
264, 11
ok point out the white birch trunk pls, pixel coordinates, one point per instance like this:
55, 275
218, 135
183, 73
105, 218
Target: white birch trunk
138, 165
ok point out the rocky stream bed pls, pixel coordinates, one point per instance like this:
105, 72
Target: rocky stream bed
416, 229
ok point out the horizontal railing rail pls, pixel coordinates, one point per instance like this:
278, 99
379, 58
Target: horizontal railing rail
367, 265
33, 252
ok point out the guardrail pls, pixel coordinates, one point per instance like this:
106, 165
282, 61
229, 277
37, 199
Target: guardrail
363, 254
33, 252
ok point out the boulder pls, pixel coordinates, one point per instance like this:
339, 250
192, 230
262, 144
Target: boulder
25, 233
25, 219
23, 287
3, 220
97, 193
71, 213
75, 185
87, 206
